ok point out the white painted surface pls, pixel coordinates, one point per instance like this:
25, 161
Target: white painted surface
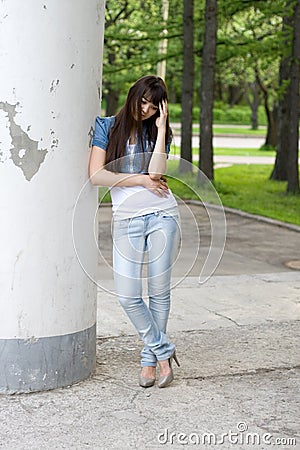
50, 75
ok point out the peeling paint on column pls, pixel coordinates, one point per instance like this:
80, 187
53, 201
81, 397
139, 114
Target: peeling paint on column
24, 151
90, 135
54, 140
54, 85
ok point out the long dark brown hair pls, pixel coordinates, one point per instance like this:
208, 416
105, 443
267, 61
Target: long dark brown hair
130, 117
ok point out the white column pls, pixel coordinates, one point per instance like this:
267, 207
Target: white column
50, 78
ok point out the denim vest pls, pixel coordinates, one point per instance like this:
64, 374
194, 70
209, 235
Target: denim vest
135, 160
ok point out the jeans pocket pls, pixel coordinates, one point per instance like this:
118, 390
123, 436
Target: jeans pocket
167, 217
120, 228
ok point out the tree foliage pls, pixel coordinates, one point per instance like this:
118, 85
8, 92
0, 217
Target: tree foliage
133, 30
252, 48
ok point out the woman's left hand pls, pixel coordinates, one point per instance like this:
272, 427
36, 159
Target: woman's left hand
163, 114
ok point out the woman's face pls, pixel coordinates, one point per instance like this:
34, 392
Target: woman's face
147, 108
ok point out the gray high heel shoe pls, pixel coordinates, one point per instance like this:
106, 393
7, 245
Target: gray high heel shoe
165, 380
146, 382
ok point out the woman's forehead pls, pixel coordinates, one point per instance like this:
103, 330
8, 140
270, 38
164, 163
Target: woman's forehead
154, 97
149, 100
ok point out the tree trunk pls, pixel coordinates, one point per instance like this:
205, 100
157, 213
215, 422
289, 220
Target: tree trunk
172, 91
253, 103
272, 115
163, 44
112, 100
111, 94
207, 89
272, 130
187, 88
279, 172
219, 88
293, 169
235, 94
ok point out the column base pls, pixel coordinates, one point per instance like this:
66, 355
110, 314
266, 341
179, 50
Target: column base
30, 365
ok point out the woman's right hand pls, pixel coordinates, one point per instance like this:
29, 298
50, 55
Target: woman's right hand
158, 187
99, 176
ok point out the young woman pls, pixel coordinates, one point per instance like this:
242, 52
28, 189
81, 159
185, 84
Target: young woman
129, 155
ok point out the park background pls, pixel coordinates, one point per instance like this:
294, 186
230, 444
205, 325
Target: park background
237, 335
232, 70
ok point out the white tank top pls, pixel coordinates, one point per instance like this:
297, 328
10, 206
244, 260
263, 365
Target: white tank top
133, 201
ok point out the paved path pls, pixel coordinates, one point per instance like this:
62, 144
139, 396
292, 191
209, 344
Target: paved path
227, 142
231, 159
237, 338
230, 140
233, 142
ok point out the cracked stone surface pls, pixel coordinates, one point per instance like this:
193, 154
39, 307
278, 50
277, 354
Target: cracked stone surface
227, 377
224, 301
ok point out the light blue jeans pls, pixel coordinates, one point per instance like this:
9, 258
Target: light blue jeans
154, 237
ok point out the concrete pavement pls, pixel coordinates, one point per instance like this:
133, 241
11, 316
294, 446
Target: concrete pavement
237, 339
227, 142
231, 141
222, 140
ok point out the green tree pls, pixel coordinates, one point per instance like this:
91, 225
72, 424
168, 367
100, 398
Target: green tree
263, 38
133, 31
293, 167
280, 168
253, 99
257, 43
187, 86
207, 89
249, 51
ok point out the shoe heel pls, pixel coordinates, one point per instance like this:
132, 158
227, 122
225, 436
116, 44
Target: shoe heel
175, 359
164, 381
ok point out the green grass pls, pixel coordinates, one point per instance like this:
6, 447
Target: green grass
243, 187
246, 187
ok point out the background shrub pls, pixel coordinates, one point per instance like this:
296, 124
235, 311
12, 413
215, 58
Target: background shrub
237, 115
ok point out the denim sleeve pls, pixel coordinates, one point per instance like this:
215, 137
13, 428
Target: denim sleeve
102, 127
168, 145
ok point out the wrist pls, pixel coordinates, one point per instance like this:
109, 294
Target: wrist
141, 180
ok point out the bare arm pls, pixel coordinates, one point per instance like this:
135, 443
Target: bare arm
99, 176
157, 165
